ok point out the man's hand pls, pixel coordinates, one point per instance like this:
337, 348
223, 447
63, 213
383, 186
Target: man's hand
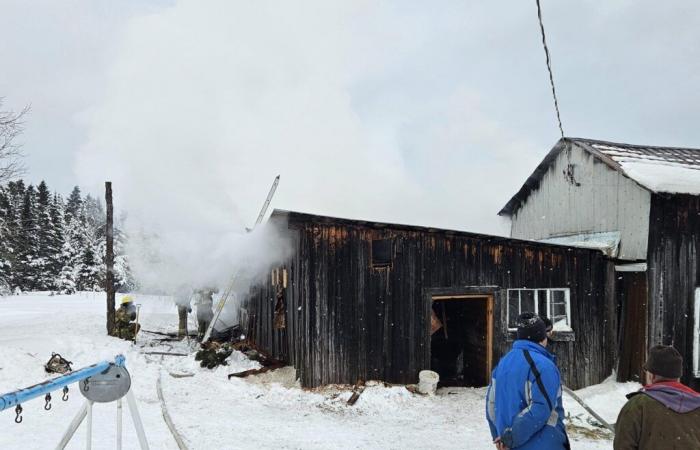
499, 445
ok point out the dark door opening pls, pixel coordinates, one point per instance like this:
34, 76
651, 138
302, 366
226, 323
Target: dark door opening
461, 340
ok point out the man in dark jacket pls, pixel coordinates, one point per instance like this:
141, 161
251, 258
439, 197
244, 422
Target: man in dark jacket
523, 403
664, 414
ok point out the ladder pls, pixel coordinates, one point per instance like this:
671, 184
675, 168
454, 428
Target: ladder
227, 294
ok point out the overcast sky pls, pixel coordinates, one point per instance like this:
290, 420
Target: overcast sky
431, 113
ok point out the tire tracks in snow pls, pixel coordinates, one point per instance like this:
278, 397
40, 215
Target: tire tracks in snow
166, 416
163, 407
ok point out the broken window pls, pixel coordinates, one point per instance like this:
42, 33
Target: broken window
382, 252
552, 303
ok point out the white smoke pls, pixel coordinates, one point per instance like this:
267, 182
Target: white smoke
208, 101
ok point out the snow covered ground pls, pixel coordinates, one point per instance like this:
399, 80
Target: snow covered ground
211, 412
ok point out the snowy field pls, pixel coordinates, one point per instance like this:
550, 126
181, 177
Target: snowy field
211, 412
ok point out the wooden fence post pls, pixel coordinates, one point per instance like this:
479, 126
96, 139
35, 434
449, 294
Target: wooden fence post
109, 259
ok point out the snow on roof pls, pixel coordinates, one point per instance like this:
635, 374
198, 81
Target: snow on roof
607, 242
659, 169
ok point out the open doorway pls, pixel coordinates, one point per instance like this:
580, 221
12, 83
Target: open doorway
461, 339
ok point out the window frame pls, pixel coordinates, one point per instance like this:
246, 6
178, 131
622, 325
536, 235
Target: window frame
548, 302
384, 264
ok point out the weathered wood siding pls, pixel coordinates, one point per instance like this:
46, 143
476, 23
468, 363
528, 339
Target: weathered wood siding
633, 299
596, 199
349, 321
674, 273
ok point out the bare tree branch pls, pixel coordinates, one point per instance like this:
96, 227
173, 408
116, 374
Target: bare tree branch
11, 126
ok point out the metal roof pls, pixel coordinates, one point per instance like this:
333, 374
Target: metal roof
672, 170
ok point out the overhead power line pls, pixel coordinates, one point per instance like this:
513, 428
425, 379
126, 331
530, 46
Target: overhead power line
549, 67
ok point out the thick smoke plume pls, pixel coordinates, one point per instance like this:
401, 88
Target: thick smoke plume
207, 101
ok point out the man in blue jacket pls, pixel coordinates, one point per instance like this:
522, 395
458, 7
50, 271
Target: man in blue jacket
523, 403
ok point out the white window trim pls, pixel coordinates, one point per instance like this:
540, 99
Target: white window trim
696, 333
567, 299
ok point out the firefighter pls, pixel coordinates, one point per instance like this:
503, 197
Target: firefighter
125, 316
183, 297
205, 310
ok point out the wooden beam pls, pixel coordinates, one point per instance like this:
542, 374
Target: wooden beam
109, 260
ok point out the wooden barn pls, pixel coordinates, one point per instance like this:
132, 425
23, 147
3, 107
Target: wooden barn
640, 205
364, 300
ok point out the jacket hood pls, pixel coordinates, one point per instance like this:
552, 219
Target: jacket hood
523, 344
674, 396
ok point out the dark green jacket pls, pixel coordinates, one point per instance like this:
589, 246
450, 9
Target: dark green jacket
663, 416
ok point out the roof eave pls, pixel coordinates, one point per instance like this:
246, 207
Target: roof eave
533, 180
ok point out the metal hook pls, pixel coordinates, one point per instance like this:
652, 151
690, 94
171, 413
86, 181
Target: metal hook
18, 411
65, 394
86, 385
47, 406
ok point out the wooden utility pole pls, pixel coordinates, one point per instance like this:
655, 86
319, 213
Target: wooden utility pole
109, 259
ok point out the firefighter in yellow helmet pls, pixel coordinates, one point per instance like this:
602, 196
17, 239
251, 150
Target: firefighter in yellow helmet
124, 317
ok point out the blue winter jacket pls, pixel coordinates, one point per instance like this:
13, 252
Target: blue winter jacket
516, 408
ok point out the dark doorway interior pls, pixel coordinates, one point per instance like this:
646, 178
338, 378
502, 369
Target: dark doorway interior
459, 342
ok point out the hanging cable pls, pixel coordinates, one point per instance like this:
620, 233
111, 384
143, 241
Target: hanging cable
549, 67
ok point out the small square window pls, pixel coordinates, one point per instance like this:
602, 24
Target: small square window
382, 252
551, 303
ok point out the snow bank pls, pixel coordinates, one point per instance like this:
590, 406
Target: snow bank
210, 411
606, 399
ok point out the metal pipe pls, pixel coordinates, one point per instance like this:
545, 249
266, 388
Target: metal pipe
119, 424
39, 390
88, 439
136, 418
77, 420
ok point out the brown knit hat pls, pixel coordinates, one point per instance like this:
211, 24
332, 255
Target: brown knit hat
664, 361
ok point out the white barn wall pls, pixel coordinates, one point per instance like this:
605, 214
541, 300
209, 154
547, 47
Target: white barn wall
605, 201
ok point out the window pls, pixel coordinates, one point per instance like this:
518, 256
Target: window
382, 252
696, 335
552, 303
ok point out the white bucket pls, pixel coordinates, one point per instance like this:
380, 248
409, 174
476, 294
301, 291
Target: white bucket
427, 382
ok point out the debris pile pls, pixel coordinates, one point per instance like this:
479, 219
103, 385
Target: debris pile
255, 354
213, 354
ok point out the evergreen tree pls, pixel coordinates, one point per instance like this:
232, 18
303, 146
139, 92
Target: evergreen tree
56, 260
74, 241
123, 279
14, 194
46, 244
45, 249
25, 274
92, 268
74, 205
6, 255
95, 216
88, 277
